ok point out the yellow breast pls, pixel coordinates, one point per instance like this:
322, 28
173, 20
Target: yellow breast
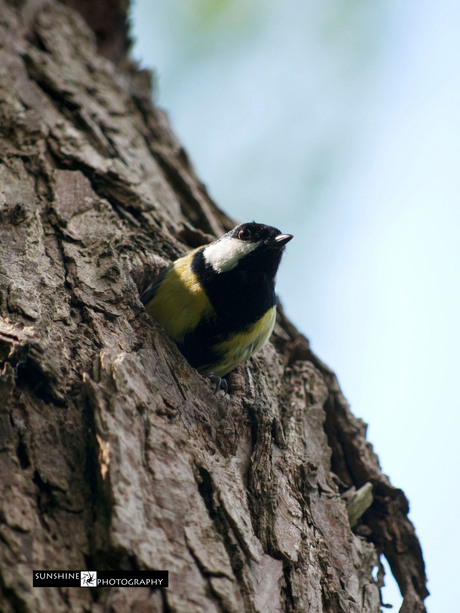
241, 345
180, 302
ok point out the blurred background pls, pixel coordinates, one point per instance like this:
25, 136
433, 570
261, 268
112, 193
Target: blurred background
339, 122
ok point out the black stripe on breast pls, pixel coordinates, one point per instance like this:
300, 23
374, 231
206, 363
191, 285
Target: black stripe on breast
239, 296
197, 345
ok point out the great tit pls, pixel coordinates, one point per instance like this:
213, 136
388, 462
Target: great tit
218, 301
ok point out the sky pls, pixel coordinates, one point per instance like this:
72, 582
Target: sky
340, 123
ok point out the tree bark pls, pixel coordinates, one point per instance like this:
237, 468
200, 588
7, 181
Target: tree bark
115, 453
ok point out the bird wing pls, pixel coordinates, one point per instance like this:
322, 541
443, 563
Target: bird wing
151, 290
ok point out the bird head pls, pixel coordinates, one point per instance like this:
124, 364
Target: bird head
249, 245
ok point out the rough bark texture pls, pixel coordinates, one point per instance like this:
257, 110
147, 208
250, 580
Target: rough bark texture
114, 452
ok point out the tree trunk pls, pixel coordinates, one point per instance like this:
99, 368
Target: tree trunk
115, 453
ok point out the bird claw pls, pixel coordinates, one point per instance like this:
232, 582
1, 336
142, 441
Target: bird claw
221, 383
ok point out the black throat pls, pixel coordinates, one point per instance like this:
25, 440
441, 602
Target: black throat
242, 295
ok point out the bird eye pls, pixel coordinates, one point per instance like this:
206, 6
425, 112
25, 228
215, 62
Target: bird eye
245, 234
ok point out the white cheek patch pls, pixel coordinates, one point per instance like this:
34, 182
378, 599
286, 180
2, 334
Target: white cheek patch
224, 254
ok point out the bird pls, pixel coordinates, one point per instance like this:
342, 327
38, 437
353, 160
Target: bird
218, 301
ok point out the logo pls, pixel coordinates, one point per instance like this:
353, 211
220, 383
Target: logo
88, 578
101, 578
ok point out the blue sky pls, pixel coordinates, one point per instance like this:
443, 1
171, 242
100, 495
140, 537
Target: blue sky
340, 123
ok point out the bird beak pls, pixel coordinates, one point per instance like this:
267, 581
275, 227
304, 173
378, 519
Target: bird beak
281, 240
